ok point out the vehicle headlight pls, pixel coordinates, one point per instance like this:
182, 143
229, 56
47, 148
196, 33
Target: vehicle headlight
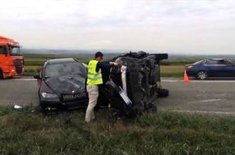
49, 95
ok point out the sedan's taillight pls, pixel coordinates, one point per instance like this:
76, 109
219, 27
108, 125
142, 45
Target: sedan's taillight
187, 68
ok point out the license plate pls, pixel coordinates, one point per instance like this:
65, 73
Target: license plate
73, 96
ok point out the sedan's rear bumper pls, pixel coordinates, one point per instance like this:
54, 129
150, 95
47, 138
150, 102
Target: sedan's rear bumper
192, 74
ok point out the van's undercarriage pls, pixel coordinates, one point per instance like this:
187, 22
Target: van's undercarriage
135, 84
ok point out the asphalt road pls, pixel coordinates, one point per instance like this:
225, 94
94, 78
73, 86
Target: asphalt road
210, 96
20, 91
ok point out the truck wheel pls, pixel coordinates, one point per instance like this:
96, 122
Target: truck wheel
1, 74
163, 93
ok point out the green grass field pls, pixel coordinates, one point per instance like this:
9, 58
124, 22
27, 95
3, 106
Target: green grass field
28, 132
33, 65
172, 70
34, 62
166, 71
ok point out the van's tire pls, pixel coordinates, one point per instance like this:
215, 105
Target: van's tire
152, 109
1, 74
163, 93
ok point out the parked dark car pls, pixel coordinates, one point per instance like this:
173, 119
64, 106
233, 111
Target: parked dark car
62, 84
217, 67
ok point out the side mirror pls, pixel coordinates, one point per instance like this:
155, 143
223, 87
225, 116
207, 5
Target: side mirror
37, 76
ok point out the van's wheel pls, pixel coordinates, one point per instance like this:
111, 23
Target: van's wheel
152, 108
163, 93
202, 75
1, 74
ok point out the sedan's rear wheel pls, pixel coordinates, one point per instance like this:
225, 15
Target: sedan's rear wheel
202, 75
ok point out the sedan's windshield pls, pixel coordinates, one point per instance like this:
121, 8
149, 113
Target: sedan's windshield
15, 51
71, 68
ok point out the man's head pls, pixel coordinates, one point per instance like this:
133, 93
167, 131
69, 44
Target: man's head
99, 56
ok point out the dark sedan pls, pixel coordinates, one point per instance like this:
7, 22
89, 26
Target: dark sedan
62, 84
216, 67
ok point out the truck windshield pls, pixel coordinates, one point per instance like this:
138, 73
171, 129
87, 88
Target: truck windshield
3, 50
15, 51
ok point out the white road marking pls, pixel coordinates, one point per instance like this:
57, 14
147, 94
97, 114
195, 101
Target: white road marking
24, 79
204, 112
210, 100
198, 81
172, 81
214, 81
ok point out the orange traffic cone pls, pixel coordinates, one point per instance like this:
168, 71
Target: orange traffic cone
186, 78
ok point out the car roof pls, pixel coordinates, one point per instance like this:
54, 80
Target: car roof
60, 60
216, 59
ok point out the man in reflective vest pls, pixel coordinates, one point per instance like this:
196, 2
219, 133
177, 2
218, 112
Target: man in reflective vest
94, 78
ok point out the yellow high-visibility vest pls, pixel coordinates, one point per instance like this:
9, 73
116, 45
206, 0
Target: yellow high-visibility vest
93, 77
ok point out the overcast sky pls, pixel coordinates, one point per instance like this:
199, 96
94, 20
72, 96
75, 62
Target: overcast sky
174, 26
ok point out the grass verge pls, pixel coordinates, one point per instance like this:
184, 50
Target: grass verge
33, 64
166, 71
28, 132
172, 70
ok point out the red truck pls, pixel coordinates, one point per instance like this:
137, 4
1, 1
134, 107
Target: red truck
11, 60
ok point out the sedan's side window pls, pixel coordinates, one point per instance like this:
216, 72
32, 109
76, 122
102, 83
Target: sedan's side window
211, 62
221, 62
227, 62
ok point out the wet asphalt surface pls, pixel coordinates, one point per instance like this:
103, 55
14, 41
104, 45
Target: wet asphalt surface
20, 91
209, 96
213, 96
